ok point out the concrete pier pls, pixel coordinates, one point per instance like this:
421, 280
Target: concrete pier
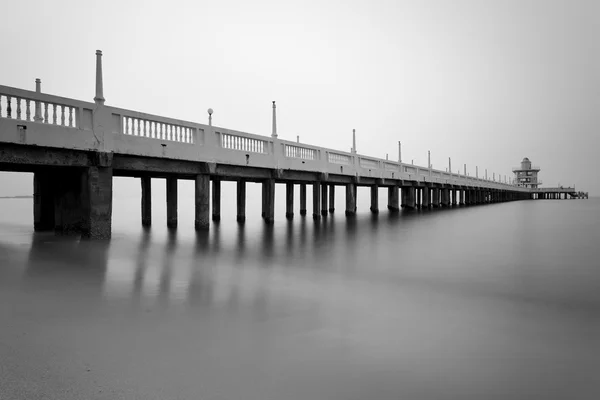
350, 199
43, 202
331, 199
419, 197
268, 200
426, 197
393, 198
202, 201
408, 197
374, 199
216, 199
303, 199
289, 200
241, 201
445, 201
172, 202
146, 201
435, 197
316, 200
324, 202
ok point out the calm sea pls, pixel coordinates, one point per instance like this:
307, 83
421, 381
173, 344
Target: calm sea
486, 302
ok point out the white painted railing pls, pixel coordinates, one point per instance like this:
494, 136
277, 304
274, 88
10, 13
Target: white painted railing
153, 129
337, 158
27, 106
303, 153
368, 163
213, 143
237, 142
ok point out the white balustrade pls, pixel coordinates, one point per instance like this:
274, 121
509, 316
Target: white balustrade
391, 166
152, 129
336, 158
20, 108
300, 152
242, 143
367, 163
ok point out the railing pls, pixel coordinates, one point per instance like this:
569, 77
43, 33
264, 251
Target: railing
236, 142
303, 153
152, 129
368, 163
27, 108
41, 108
337, 158
533, 168
391, 166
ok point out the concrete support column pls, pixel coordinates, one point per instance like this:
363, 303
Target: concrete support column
426, 197
331, 198
419, 197
43, 201
303, 199
408, 197
216, 199
202, 201
268, 200
289, 200
445, 197
374, 199
241, 201
172, 202
393, 198
96, 204
316, 200
68, 188
146, 201
435, 198
455, 197
324, 199
350, 199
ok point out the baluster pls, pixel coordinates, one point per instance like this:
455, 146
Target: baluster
71, 117
144, 128
8, 107
54, 114
150, 123
18, 108
176, 133
62, 115
0, 106
126, 126
139, 127
27, 109
46, 114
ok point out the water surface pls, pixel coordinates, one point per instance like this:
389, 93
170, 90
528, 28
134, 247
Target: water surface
488, 302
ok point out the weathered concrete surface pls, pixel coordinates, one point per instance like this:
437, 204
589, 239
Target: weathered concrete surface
393, 198
435, 197
316, 200
202, 202
426, 197
216, 199
43, 201
331, 198
303, 199
289, 200
146, 200
374, 199
68, 201
408, 197
97, 203
350, 199
269, 200
172, 202
324, 199
241, 201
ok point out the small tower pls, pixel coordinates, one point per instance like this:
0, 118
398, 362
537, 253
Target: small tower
526, 175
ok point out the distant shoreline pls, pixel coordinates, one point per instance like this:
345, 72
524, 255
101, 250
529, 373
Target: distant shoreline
16, 197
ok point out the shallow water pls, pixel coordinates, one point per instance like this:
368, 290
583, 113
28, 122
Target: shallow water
488, 302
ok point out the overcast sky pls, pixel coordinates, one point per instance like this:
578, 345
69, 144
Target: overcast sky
484, 82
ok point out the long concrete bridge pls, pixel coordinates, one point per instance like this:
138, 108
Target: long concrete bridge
74, 148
